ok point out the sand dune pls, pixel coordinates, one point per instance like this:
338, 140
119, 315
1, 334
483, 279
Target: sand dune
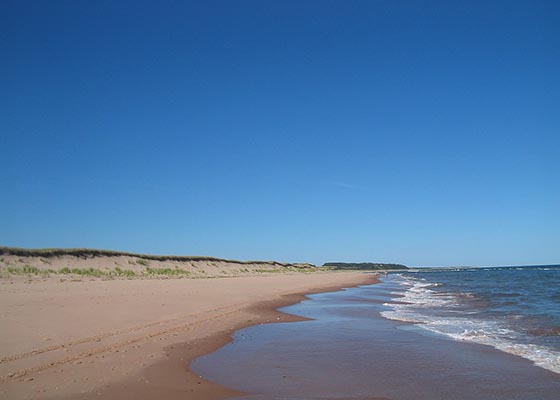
88, 263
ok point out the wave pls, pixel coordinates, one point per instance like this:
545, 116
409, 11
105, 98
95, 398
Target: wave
445, 314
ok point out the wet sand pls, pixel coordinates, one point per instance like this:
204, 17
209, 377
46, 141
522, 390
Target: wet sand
135, 338
349, 351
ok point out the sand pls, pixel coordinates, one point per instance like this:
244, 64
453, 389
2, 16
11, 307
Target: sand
134, 338
85, 263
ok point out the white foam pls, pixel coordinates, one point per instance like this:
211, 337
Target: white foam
419, 300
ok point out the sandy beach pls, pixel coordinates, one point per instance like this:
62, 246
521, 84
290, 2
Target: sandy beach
134, 338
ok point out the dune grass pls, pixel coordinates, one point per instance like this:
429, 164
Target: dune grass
20, 260
82, 271
25, 270
124, 272
92, 253
92, 272
167, 271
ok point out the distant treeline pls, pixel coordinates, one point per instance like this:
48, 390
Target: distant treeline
366, 266
90, 253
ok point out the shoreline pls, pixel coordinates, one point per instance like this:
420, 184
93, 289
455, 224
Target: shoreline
176, 371
350, 350
126, 364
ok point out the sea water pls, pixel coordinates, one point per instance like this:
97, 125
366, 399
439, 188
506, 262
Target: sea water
514, 309
462, 335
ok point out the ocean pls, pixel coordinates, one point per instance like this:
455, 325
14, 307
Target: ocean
514, 309
465, 334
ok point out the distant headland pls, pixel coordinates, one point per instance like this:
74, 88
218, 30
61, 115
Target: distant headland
363, 266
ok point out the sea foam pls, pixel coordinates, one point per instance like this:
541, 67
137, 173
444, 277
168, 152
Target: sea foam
444, 313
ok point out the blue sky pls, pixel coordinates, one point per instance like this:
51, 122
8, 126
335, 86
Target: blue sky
426, 133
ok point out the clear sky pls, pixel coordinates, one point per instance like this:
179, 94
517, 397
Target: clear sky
419, 132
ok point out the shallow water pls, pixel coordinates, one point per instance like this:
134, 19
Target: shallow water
513, 309
350, 351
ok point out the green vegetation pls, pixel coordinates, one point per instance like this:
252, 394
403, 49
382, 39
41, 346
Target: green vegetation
148, 272
82, 271
47, 258
93, 272
124, 272
362, 266
28, 269
25, 270
88, 272
167, 271
92, 253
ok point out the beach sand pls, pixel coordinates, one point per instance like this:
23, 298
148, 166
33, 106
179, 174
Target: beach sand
122, 339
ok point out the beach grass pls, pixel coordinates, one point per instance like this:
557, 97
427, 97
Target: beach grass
167, 271
124, 272
91, 253
128, 273
24, 270
92, 272
106, 264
